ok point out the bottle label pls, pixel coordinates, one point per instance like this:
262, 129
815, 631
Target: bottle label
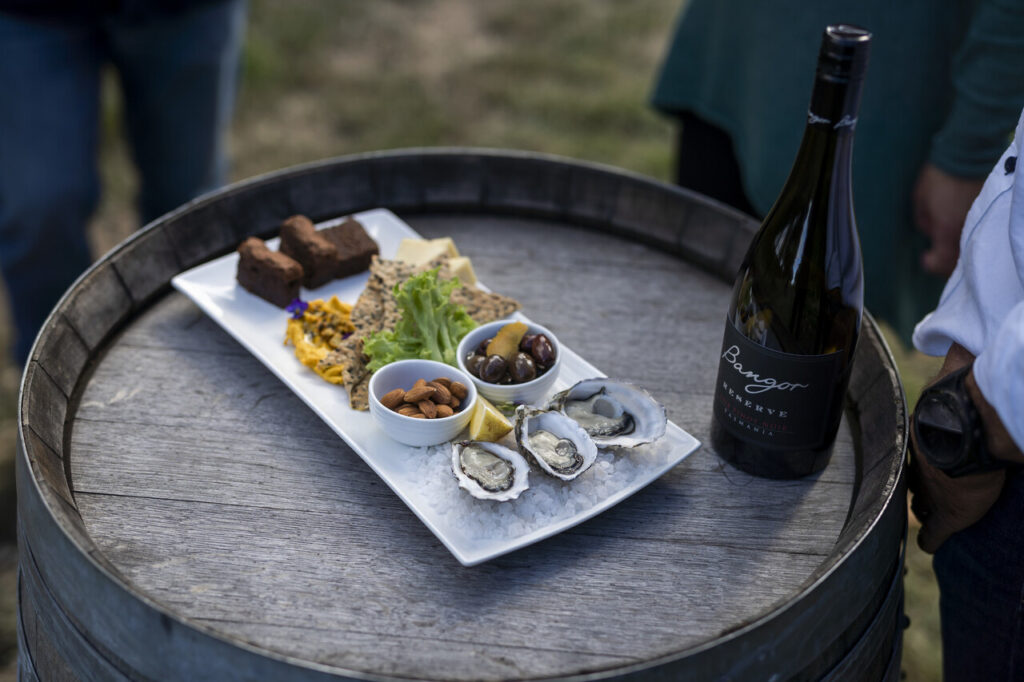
778, 400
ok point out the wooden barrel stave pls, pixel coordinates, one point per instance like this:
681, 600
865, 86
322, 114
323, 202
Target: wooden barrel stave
57, 645
95, 599
26, 626
870, 658
139, 270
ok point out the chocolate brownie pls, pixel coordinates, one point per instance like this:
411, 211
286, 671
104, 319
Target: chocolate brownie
317, 255
355, 247
268, 274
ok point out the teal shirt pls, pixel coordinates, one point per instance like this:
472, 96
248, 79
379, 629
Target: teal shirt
945, 84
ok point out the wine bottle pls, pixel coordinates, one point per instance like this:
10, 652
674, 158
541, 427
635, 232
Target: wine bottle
796, 306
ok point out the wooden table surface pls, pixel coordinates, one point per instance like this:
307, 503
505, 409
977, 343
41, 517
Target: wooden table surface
218, 494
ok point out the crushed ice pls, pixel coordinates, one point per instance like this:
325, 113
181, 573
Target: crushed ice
547, 501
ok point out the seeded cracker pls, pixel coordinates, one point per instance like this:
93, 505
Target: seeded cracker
483, 306
479, 304
376, 310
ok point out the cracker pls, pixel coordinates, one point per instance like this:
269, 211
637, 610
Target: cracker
359, 395
484, 306
375, 310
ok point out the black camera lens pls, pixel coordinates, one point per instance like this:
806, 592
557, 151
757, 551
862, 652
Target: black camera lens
940, 430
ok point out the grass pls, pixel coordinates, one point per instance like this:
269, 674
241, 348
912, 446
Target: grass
325, 78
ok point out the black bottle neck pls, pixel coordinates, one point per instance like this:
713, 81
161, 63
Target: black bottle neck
824, 159
826, 150
842, 63
834, 105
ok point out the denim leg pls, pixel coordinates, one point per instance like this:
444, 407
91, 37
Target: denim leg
980, 572
179, 73
49, 186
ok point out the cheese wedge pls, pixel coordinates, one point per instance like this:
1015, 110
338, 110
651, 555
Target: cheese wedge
420, 251
461, 267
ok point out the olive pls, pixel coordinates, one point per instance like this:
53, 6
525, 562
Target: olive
473, 363
527, 343
505, 379
482, 348
543, 352
523, 369
493, 369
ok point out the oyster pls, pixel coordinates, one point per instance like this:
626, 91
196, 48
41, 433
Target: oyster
614, 413
556, 443
489, 471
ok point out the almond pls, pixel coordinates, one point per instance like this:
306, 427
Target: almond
428, 408
419, 382
454, 404
442, 395
444, 411
458, 390
393, 399
418, 393
408, 410
444, 381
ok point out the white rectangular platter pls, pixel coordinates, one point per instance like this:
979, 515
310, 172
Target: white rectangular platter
473, 530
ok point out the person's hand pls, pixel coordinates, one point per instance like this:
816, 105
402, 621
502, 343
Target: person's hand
941, 202
945, 505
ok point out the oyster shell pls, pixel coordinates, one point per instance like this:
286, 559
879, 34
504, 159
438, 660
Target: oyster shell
613, 413
489, 471
557, 444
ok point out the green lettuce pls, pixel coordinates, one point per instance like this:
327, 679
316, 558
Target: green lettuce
430, 328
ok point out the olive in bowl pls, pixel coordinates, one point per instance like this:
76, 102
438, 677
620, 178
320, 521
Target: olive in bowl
510, 362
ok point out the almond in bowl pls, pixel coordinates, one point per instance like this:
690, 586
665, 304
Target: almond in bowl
421, 402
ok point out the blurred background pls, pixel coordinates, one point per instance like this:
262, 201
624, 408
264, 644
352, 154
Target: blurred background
324, 78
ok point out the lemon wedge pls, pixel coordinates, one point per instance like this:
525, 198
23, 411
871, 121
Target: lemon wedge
487, 423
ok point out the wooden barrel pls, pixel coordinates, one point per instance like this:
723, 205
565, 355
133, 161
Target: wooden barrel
183, 516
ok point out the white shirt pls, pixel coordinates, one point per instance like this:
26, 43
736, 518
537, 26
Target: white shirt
982, 306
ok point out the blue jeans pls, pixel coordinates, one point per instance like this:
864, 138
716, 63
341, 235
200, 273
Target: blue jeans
178, 73
980, 572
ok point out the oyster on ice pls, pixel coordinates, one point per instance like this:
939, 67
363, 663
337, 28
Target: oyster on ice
557, 444
489, 471
614, 413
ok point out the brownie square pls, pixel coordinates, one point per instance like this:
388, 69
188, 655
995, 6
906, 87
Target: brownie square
355, 247
317, 255
268, 274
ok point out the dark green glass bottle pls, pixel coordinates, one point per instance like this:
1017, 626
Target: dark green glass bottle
796, 306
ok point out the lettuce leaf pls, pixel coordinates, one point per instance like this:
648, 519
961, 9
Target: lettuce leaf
431, 325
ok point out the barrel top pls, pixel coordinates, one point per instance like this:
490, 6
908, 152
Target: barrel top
188, 479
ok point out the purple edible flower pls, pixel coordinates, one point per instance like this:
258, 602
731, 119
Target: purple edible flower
297, 308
